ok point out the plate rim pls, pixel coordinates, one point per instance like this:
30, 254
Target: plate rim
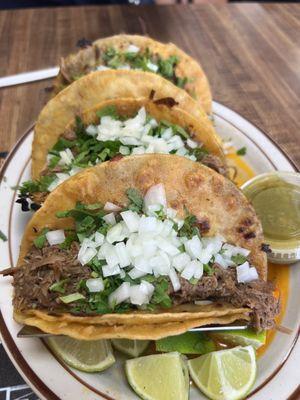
8, 342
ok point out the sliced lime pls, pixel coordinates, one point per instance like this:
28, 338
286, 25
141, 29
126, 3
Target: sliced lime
226, 374
133, 348
159, 377
187, 343
247, 337
85, 355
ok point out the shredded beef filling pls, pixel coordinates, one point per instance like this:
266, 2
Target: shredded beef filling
44, 267
222, 286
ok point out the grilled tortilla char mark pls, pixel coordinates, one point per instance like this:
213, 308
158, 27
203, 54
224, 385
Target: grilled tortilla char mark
44, 267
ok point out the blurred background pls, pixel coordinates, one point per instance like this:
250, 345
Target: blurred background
7, 4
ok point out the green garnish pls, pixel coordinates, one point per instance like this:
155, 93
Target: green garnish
239, 259
109, 111
70, 298
143, 60
70, 238
160, 295
36, 186
208, 269
40, 240
59, 286
136, 200
242, 151
189, 228
3, 236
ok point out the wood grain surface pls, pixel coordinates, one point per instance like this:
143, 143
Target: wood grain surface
250, 52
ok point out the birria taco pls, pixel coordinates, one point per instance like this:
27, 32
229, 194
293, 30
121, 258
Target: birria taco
107, 115
141, 248
126, 52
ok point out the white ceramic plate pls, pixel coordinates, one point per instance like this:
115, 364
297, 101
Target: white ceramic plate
278, 369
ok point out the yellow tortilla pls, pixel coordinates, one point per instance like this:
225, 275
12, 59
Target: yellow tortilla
182, 312
199, 130
138, 332
98, 87
213, 199
87, 59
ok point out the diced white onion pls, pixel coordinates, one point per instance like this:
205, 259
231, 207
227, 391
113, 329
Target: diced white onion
174, 280
180, 261
110, 218
148, 288
192, 268
119, 295
132, 49
99, 239
167, 247
203, 302
86, 255
95, 285
122, 253
152, 67
66, 157
235, 250
155, 195
142, 264
55, 237
108, 270
126, 67
147, 224
124, 150
193, 247
138, 295
131, 219
111, 207
102, 68
253, 275
135, 273
191, 143
117, 233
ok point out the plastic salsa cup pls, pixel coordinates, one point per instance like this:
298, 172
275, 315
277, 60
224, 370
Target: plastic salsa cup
276, 199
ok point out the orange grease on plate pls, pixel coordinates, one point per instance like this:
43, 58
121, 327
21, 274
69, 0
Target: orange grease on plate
277, 273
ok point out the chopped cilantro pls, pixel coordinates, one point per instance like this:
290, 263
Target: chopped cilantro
40, 240
70, 238
59, 286
141, 60
239, 259
242, 151
109, 111
181, 82
70, 298
199, 153
41, 185
3, 236
208, 269
136, 200
188, 228
160, 295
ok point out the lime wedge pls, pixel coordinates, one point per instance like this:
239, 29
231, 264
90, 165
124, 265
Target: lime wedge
133, 348
226, 374
187, 343
85, 355
159, 377
247, 337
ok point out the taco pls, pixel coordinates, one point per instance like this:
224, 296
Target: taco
132, 244
137, 52
92, 128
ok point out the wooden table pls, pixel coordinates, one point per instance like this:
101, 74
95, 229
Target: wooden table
250, 52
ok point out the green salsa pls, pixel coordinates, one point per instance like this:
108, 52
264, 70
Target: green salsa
277, 203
